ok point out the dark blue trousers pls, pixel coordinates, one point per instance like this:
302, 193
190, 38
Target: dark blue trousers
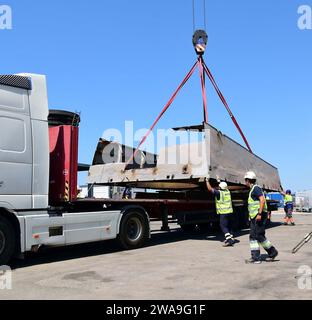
225, 224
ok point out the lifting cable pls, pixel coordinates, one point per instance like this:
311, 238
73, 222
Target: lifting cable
202, 80
194, 15
205, 21
194, 25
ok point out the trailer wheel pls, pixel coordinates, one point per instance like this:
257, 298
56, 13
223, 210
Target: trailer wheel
7, 241
134, 230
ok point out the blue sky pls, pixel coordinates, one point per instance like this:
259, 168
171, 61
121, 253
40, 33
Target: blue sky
121, 60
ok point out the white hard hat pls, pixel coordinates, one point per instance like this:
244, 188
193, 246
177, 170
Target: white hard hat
250, 175
223, 185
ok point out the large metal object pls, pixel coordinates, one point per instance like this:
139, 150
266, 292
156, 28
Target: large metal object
182, 166
305, 240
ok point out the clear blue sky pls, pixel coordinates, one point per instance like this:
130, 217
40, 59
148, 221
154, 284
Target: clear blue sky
121, 60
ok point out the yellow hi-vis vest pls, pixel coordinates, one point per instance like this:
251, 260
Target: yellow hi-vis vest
224, 205
254, 206
288, 199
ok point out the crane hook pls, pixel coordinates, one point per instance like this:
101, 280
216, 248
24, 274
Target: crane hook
200, 40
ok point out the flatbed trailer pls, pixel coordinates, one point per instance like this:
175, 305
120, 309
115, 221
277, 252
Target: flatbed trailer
38, 183
188, 213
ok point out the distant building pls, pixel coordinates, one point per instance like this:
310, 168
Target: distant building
304, 200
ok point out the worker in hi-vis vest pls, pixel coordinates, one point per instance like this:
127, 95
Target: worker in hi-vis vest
258, 214
224, 209
288, 207
127, 194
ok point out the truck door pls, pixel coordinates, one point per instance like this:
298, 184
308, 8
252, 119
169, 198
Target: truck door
15, 147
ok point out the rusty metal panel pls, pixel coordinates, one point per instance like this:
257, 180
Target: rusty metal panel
230, 161
184, 166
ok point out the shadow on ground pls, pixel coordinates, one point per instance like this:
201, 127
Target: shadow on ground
52, 255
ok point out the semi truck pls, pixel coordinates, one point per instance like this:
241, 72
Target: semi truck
38, 184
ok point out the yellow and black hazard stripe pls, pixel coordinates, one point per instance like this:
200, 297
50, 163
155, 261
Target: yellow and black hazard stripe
66, 193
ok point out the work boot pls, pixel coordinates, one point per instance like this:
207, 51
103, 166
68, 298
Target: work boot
273, 254
228, 243
253, 261
293, 224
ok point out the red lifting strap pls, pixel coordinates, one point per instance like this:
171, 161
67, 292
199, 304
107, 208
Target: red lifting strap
202, 79
162, 113
226, 105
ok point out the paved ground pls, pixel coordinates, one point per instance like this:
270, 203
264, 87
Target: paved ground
174, 266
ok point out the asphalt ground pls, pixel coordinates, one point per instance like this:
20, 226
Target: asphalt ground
173, 265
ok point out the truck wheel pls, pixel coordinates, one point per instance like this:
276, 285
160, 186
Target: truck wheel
7, 241
134, 230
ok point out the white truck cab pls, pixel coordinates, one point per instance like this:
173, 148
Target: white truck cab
24, 142
26, 219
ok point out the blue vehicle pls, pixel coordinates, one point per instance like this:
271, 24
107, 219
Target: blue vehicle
277, 197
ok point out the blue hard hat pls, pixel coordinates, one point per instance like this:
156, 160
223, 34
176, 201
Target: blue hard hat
288, 191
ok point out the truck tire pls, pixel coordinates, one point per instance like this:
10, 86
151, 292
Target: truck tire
7, 241
134, 230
